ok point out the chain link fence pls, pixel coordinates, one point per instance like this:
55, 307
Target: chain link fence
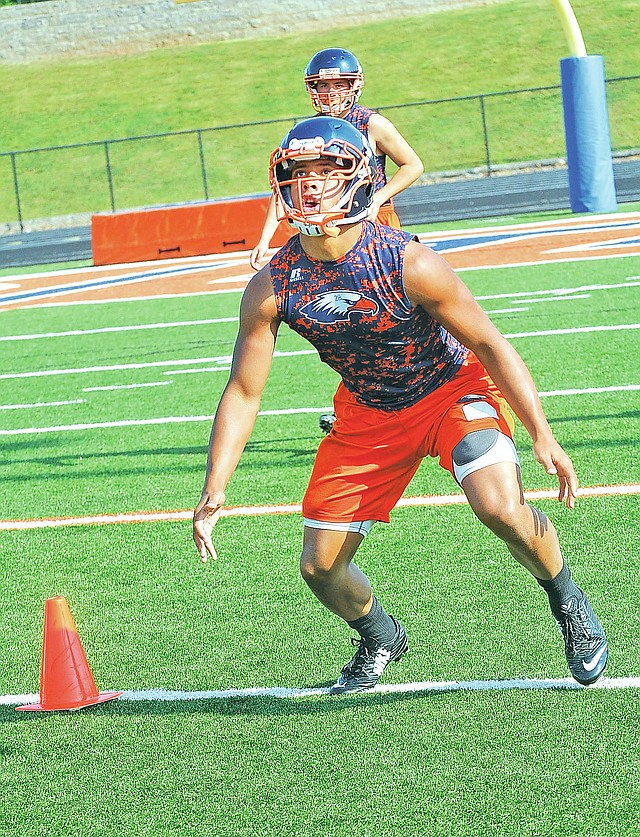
484, 132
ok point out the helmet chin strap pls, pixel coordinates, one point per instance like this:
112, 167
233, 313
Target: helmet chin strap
329, 224
324, 226
330, 229
312, 230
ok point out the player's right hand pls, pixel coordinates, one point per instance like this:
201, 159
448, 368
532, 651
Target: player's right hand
205, 517
258, 256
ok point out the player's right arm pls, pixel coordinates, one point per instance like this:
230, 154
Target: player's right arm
386, 139
239, 404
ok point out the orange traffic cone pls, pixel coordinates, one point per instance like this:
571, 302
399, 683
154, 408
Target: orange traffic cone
66, 681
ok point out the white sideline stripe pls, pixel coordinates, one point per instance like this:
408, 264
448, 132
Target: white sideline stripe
140, 422
198, 371
152, 297
109, 329
291, 508
427, 686
588, 257
63, 428
561, 293
119, 367
42, 404
589, 390
130, 386
121, 299
183, 295
427, 238
546, 299
577, 330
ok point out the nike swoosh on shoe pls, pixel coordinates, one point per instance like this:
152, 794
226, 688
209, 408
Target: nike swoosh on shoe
589, 665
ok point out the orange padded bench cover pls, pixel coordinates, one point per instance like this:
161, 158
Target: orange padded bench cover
171, 232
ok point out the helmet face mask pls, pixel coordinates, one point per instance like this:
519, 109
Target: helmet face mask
322, 176
322, 76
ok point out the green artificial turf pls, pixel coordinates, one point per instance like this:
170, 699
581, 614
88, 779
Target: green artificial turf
456, 763
448, 55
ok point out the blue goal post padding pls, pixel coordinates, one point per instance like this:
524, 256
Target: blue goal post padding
586, 128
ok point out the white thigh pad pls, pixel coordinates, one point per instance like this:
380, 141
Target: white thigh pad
481, 448
361, 527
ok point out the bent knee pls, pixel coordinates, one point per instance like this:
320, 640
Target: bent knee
316, 568
509, 516
500, 511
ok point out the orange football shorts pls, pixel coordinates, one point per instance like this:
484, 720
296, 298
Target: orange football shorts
365, 463
388, 216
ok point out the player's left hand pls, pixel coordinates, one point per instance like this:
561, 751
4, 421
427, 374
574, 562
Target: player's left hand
555, 461
373, 211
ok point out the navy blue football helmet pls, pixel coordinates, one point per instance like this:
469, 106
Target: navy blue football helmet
329, 65
350, 172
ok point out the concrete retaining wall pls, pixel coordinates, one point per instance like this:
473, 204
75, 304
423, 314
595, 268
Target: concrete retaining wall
88, 28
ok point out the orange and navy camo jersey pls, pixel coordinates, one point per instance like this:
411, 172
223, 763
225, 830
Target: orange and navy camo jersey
359, 117
357, 315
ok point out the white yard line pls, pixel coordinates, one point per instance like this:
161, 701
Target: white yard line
589, 390
226, 359
586, 258
562, 293
42, 404
291, 508
426, 687
119, 367
575, 330
110, 329
130, 386
66, 428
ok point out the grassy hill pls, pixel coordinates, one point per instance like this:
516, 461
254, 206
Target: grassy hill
451, 54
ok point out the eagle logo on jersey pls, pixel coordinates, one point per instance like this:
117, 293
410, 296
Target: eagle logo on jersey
338, 306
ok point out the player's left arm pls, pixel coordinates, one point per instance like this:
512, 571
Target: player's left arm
386, 139
432, 284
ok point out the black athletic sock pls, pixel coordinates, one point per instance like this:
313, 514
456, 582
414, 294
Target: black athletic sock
376, 627
560, 589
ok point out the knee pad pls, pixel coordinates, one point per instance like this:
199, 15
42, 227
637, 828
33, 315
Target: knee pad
481, 448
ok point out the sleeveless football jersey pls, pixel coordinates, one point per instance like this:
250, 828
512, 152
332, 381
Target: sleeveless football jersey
357, 315
359, 117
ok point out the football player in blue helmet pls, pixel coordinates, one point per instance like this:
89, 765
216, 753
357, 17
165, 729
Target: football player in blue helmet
334, 80
423, 372
313, 202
